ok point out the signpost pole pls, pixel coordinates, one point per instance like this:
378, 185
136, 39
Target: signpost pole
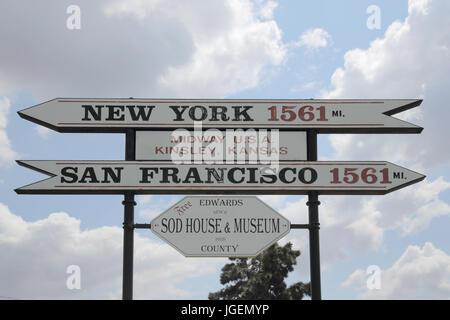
128, 224
314, 225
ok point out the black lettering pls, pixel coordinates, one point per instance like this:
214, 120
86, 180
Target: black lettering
114, 113
164, 225
252, 178
268, 173
282, 175
170, 172
178, 113
238, 113
213, 172
231, 175
203, 115
89, 173
144, 112
239, 226
253, 225
147, 173
114, 176
335, 113
171, 225
217, 111
193, 174
260, 221
275, 225
312, 174
89, 110
189, 225
70, 172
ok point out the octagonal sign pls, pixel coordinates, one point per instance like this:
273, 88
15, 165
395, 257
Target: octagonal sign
225, 226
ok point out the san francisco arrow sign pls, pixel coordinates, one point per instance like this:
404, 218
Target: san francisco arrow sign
117, 177
225, 226
326, 116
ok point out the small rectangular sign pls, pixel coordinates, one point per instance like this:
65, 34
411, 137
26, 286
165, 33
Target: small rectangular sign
215, 145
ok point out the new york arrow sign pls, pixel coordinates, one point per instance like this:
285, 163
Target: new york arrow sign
141, 177
327, 116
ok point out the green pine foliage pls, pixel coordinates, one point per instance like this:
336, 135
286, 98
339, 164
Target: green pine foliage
261, 277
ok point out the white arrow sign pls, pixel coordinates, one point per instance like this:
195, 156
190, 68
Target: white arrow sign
141, 177
327, 116
226, 226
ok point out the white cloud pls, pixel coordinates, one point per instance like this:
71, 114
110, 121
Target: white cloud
410, 61
266, 8
158, 204
232, 59
137, 8
418, 6
136, 48
149, 214
354, 225
308, 86
420, 273
411, 209
7, 154
144, 199
42, 131
274, 200
36, 255
314, 39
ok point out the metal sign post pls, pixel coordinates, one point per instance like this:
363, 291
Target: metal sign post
128, 224
314, 225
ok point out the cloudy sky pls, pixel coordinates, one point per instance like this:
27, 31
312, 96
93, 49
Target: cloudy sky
225, 49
